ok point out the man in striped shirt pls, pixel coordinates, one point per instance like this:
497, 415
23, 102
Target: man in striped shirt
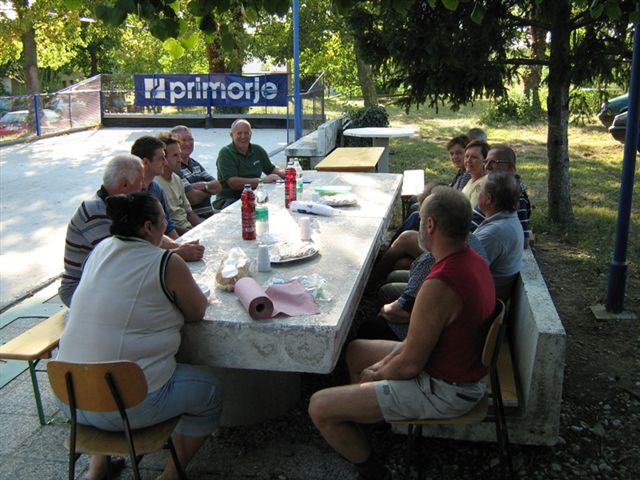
90, 224
199, 185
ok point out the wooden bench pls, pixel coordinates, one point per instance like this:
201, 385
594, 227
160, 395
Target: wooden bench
351, 159
507, 378
412, 185
36, 344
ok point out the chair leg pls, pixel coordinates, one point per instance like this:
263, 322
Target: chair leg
36, 391
176, 461
502, 435
409, 456
418, 452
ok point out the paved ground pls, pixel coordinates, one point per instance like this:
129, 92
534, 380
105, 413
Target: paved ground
43, 182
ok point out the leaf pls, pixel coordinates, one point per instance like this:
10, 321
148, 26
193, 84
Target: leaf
227, 41
477, 15
175, 49
450, 4
634, 17
198, 9
190, 42
432, 3
402, 6
612, 8
596, 11
73, 4
208, 24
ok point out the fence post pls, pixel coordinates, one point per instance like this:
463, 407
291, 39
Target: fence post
36, 109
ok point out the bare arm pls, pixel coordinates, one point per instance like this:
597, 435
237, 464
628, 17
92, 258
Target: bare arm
190, 251
189, 299
193, 218
200, 191
238, 183
436, 306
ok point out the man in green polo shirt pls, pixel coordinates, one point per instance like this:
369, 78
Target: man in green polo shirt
242, 162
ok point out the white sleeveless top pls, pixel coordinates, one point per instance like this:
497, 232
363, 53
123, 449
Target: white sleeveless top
122, 310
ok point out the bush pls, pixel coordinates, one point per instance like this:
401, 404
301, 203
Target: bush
583, 105
371, 116
516, 109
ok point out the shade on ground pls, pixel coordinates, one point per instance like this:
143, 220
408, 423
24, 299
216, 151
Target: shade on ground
43, 182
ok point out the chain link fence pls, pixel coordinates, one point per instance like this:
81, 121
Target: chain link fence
112, 96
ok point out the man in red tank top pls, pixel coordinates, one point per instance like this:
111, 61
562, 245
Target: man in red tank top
436, 372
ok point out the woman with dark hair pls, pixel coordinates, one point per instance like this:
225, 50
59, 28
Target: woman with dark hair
456, 147
132, 301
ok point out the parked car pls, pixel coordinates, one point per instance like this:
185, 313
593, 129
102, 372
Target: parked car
61, 104
613, 107
618, 128
17, 122
5, 105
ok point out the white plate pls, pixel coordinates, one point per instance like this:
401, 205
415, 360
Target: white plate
307, 250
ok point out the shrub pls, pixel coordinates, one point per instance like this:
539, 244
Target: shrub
371, 116
514, 109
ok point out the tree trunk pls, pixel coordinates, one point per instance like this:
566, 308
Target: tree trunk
365, 77
533, 76
214, 58
559, 184
29, 51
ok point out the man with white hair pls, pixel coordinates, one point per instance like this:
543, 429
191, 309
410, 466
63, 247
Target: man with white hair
90, 225
199, 185
240, 163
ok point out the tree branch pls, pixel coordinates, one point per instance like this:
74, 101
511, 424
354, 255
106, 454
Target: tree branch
528, 22
523, 61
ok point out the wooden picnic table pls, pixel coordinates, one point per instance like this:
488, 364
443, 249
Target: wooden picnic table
351, 159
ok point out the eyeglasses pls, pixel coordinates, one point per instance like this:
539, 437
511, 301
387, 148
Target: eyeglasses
497, 162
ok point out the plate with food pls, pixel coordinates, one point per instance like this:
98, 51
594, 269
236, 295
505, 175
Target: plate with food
292, 251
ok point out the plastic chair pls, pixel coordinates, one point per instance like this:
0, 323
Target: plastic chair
479, 412
105, 387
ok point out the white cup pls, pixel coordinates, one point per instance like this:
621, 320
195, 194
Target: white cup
305, 228
263, 261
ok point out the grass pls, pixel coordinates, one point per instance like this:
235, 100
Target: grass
595, 172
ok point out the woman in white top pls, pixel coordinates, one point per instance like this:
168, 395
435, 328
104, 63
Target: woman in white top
474, 157
131, 303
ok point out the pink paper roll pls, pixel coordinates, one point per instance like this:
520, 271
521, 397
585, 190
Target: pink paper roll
254, 299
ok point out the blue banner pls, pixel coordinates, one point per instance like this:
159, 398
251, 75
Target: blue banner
217, 89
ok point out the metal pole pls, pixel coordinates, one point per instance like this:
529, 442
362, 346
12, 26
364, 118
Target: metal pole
618, 266
36, 111
297, 106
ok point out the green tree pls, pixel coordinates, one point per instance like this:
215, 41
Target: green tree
458, 51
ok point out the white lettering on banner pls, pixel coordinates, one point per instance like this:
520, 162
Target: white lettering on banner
199, 89
154, 88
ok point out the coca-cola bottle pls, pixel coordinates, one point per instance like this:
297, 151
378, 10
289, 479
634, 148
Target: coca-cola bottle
248, 208
290, 175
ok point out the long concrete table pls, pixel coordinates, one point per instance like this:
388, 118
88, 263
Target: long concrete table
250, 353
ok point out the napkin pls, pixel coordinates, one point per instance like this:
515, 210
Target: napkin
290, 298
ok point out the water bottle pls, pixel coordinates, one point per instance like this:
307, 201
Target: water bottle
262, 219
299, 182
261, 193
289, 184
248, 208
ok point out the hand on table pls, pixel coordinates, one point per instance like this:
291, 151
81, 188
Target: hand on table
271, 178
190, 251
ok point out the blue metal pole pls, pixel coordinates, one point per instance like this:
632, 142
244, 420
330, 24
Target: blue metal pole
297, 105
618, 267
36, 111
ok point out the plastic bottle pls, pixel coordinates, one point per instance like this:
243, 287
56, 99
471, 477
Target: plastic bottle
289, 184
248, 208
261, 193
262, 219
299, 181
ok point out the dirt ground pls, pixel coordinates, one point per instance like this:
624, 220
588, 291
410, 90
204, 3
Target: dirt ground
600, 420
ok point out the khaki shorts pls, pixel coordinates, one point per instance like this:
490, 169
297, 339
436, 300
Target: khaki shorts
426, 397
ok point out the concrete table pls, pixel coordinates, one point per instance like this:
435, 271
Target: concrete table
351, 159
380, 136
257, 358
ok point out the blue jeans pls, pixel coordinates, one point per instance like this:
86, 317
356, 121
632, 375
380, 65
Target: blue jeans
192, 391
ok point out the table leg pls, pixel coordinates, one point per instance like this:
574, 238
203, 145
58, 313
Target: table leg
383, 164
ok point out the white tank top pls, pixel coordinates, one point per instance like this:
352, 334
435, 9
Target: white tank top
122, 310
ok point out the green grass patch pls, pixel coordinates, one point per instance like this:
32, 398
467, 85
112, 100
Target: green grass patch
595, 169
